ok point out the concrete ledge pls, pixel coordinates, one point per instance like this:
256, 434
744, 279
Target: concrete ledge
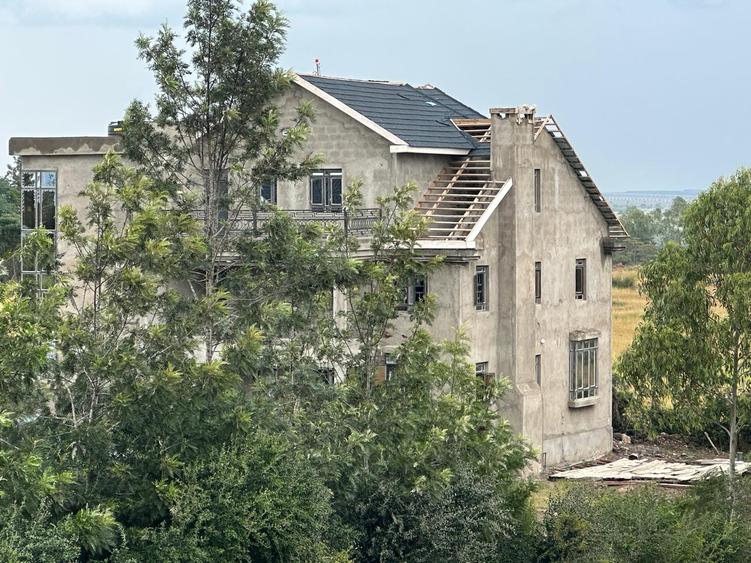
60, 146
580, 403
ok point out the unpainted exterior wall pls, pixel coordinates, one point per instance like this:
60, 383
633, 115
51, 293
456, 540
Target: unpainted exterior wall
359, 152
567, 228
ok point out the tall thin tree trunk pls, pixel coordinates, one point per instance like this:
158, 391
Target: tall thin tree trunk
733, 444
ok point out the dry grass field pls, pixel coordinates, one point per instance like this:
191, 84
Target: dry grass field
628, 307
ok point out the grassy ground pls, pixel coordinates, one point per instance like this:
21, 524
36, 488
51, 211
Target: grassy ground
628, 307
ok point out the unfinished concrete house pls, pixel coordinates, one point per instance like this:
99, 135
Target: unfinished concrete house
525, 233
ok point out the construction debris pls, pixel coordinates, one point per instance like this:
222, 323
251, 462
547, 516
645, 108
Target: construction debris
653, 470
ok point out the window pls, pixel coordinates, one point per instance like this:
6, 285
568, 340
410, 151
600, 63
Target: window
268, 191
326, 190
485, 377
481, 288
583, 368
327, 375
538, 282
538, 369
390, 361
581, 279
221, 190
538, 191
39, 211
416, 291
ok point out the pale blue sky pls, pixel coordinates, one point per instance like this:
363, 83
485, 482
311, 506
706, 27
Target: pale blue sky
654, 94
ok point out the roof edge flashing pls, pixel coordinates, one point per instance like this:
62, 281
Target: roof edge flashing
402, 149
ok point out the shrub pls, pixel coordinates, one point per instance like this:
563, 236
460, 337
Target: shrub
253, 501
35, 539
624, 279
586, 523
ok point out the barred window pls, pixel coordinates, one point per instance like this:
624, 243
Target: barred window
583, 367
481, 288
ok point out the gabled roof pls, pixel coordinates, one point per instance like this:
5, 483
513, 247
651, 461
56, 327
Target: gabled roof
415, 116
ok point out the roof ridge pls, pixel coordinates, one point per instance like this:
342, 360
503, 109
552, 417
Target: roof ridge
368, 80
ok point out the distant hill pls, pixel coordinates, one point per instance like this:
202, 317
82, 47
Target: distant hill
648, 199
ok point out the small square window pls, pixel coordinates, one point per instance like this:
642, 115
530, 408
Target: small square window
481, 288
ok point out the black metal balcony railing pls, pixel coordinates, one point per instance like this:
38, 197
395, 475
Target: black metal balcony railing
358, 223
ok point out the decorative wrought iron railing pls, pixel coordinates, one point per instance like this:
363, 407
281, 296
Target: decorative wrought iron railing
358, 222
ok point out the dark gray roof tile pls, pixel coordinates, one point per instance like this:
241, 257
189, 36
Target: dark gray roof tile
419, 116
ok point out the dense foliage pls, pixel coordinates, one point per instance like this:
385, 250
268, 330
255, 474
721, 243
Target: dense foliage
689, 364
649, 231
588, 524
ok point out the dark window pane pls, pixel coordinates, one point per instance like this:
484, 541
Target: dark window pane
421, 289
581, 279
538, 190
538, 282
336, 190
481, 287
48, 209
29, 210
268, 191
28, 179
316, 191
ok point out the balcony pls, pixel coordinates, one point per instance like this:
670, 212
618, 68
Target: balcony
358, 223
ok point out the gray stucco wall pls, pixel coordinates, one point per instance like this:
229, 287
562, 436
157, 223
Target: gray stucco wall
359, 152
567, 228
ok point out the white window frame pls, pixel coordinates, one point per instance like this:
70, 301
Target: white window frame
583, 371
42, 276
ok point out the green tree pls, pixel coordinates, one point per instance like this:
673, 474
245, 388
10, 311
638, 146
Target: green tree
10, 216
216, 134
691, 356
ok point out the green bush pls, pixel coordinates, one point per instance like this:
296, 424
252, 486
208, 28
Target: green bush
476, 518
253, 501
35, 538
624, 280
585, 523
